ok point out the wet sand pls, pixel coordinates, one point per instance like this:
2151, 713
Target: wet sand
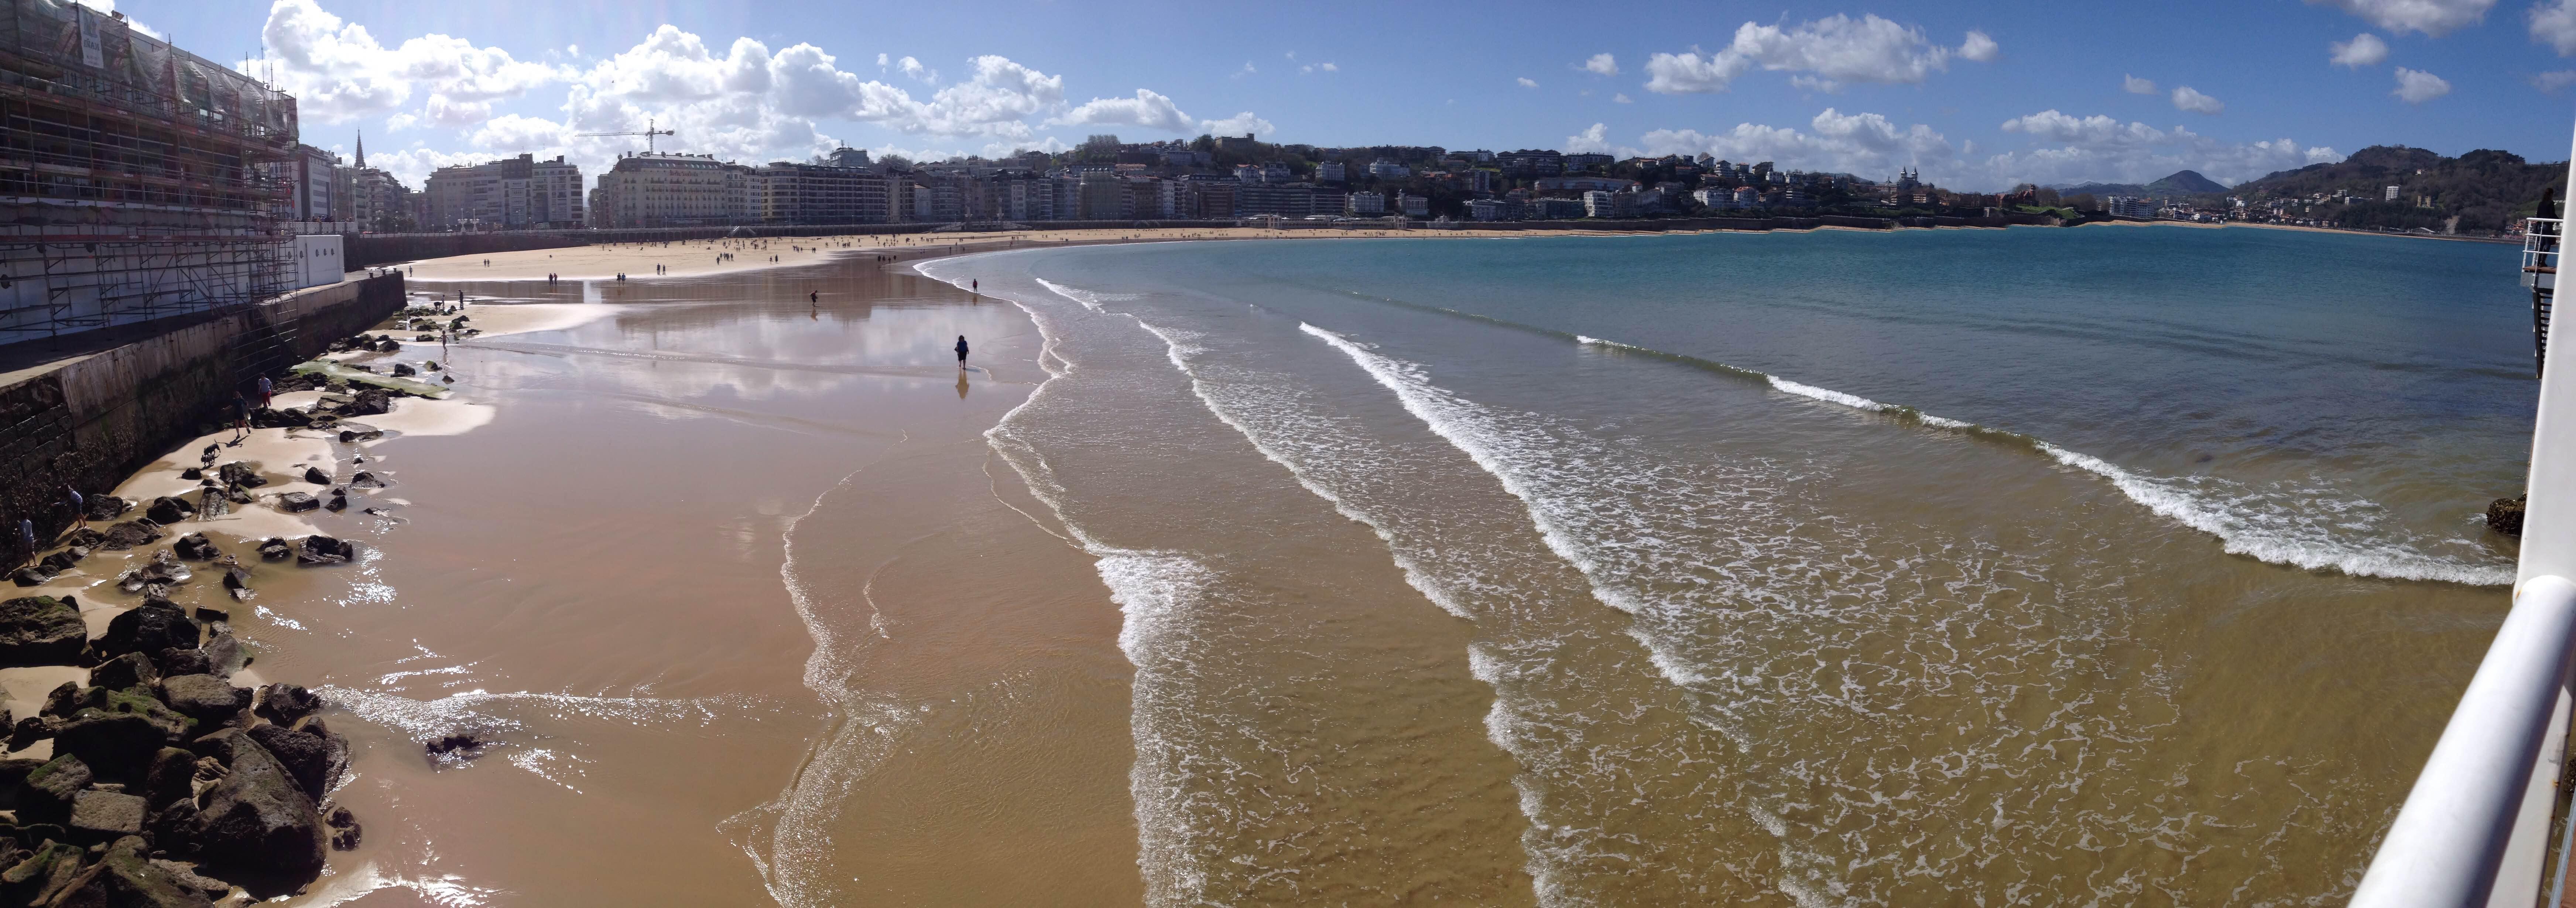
612, 554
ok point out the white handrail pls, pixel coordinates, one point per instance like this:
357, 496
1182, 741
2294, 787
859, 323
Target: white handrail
2475, 828
2448, 846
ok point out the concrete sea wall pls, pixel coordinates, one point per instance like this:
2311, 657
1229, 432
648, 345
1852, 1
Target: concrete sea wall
89, 416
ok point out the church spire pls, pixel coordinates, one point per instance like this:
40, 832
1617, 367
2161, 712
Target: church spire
362, 149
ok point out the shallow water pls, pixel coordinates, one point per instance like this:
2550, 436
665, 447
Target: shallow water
2036, 567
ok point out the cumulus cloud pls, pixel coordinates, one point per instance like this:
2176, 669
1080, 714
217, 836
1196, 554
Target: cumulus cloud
2137, 86
911, 67
1594, 140
2364, 49
1811, 83
2431, 17
1527, 82
1622, 99
1836, 48
2553, 22
2186, 98
2096, 131
2415, 86
1602, 64
2553, 81
1148, 109
339, 72
1243, 123
1979, 48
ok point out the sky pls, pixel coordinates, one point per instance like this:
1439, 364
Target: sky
1977, 95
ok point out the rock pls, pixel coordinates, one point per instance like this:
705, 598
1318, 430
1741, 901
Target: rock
388, 345
237, 496
306, 756
164, 570
33, 575
50, 788
285, 703
49, 871
61, 561
166, 510
345, 839
206, 698
126, 877
188, 878
365, 480
148, 630
192, 474
173, 829
257, 826
368, 402
129, 534
120, 744
128, 670
403, 371
213, 614
86, 539
63, 701
297, 502
320, 549
315, 476
170, 779
265, 418
107, 507
214, 502
236, 582
275, 549
195, 547
242, 473
467, 744
2504, 515
339, 501
106, 814
40, 630
224, 655
429, 364
190, 661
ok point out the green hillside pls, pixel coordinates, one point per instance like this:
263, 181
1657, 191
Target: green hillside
2485, 189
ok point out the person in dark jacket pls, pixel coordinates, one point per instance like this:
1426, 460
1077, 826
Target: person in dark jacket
961, 351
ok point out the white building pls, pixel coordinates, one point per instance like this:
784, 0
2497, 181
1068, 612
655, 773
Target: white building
1599, 204
1364, 204
520, 193
1387, 169
2390, 195
1413, 206
675, 190
1715, 198
1331, 172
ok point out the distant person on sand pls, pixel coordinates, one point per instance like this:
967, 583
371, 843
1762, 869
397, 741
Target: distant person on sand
264, 390
241, 419
961, 351
815, 297
80, 509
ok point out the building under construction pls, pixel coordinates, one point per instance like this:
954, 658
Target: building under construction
137, 181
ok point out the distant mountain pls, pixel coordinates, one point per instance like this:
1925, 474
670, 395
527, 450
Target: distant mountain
2484, 189
2181, 183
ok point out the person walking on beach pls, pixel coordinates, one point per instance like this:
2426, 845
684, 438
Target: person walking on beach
961, 352
80, 509
815, 297
266, 390
241, 419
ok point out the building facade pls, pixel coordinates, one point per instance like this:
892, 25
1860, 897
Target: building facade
520, 193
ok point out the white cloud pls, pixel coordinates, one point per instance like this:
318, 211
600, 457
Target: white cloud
1330, 68
1622, 99
1595, 140
1246, 70
913, 68
339, 72
2096, 131
1602, 64
1242, 123
513, 134
2076, 149
1527, 82
2364, 49
2415, 86
2553, 81
2137, 86
2432, 17
2188, 98
1147, 109
1836, 48
881, 61
2553, 22
1979, 48
1811, 83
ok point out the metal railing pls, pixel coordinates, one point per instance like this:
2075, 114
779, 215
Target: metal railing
2475, 830
2540, 248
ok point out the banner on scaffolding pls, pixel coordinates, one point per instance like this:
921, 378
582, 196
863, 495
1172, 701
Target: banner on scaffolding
92, 54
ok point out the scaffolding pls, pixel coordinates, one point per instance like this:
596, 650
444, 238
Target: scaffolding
137, 181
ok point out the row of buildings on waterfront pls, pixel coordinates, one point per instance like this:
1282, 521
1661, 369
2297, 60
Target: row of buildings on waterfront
1209, 179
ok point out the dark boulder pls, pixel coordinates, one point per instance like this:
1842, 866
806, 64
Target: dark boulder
107, 507
106, 815
275, 549
119, 744
188, 878
265, 418
175, 661
192, 474
148, 629
339, 501
368, 402
242, 473
33, 575
285, 703
388, 345
214, 502
315, 476
125, 877
50, 788
348, 435
129, 534
162, 572
365, 480
205, 698
236, 582
2504, 515
40, 630
166, 510
170, 779
258, 827
63, 560
224, 655
297, 502
403, 371
318, 549
173, 828
195, 547
306, 756
128, 670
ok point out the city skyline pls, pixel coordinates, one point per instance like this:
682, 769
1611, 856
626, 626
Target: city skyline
1978, 97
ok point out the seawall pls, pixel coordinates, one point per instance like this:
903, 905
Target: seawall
90, 409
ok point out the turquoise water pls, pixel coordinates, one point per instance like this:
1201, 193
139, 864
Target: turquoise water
2037, 566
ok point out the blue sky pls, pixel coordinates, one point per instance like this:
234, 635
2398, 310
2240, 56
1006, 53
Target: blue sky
1978, 95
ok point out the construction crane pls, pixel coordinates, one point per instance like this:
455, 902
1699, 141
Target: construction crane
648, 134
